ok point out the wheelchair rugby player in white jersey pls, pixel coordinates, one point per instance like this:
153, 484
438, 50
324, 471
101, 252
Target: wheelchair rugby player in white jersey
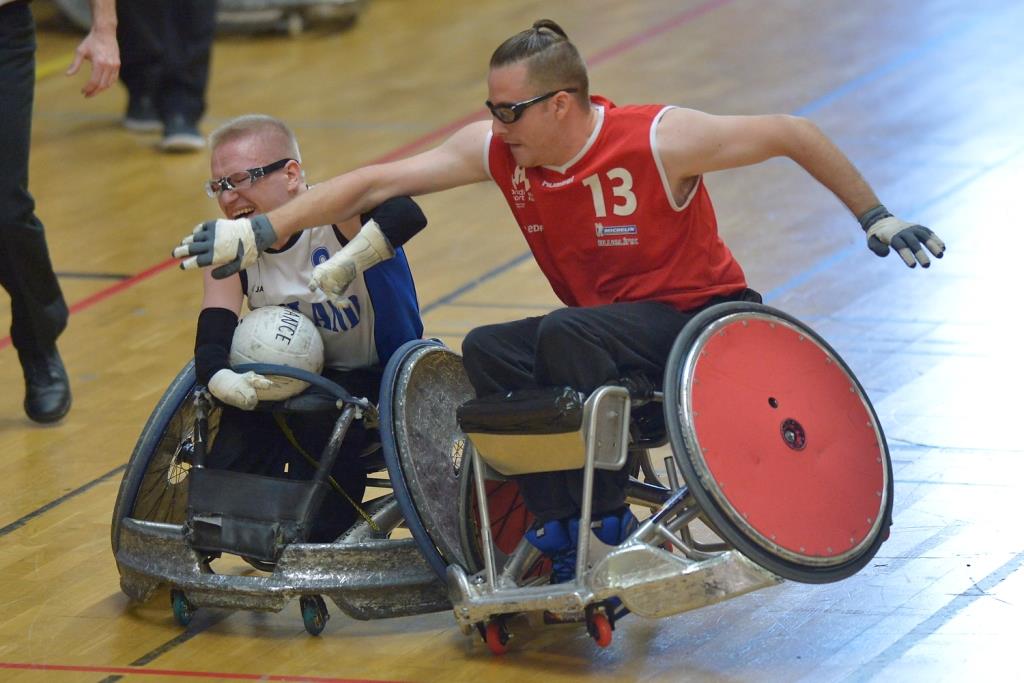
256, 167
232, 462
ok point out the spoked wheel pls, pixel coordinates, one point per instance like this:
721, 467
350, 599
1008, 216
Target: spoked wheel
314, 613
155, 483
182, 608
496, 635
423, 384
778, 442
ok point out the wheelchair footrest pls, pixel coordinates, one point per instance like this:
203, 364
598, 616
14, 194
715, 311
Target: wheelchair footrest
247, 514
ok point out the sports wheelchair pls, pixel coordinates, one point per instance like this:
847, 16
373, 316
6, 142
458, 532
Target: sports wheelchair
174, 516
779, 465
779, 470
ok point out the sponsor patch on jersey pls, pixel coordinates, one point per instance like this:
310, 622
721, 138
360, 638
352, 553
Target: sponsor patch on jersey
320, 254
614, 230
616, 235
560, 183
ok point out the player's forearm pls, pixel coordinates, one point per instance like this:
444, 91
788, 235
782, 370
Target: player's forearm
821, 158
332, 201
104, 16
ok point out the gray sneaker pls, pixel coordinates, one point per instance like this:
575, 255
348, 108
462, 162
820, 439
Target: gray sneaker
142, 116
181, 135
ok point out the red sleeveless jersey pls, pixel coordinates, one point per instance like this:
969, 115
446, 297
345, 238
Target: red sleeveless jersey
605, 228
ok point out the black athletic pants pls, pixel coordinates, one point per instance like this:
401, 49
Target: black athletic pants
38, 311
582, 348
165, 53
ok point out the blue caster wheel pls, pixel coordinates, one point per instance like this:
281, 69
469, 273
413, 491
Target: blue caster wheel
182, 608
314, 613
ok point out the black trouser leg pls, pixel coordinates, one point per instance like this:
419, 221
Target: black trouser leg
187, 66
143, 32
38, 311
165, 53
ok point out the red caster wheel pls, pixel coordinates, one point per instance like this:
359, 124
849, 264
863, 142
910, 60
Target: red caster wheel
497, 637
600, 629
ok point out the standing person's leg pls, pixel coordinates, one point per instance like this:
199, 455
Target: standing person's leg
142, 31
38, 311
186, 73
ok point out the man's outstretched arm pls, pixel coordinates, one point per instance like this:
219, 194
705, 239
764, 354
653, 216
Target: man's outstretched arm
692, 143
232, 245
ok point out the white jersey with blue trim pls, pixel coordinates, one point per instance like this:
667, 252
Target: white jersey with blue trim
384, 313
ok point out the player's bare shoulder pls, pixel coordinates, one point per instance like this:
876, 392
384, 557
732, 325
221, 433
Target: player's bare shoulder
679, 138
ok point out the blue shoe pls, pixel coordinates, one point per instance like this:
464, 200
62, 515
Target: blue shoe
554, 541
615, 528
611, 529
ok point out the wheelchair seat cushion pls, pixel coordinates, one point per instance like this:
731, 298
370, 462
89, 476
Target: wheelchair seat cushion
552, 410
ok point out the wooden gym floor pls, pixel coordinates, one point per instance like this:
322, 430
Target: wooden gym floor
924, 96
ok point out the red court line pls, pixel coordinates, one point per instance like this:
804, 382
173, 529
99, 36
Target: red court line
138, 671
615, 50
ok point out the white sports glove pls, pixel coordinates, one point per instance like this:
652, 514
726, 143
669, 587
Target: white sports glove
238, 389
232, 245
366, 250
885, 230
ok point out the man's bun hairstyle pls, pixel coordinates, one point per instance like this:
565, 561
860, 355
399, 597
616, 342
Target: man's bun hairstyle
552, 61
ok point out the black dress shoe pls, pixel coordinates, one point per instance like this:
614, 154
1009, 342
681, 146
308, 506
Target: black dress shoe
47, 391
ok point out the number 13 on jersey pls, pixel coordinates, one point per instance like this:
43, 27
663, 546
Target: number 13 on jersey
621, 183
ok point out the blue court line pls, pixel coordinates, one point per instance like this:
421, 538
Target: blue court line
814, 105
877, 664
929, 45
473, 284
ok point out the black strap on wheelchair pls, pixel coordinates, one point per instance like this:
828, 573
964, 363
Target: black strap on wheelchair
553, 410
282, 424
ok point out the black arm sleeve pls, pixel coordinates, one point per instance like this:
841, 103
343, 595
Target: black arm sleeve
214, 331
399, 219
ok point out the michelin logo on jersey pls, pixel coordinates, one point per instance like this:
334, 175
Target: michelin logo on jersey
354, 337
616, 235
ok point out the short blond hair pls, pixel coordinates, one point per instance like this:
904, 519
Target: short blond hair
258, 124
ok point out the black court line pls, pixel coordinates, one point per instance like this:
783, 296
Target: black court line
71, 275
22, 521
201, 622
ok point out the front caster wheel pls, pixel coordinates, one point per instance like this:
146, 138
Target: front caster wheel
182, 608
314, 613
600, 629
497, 636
